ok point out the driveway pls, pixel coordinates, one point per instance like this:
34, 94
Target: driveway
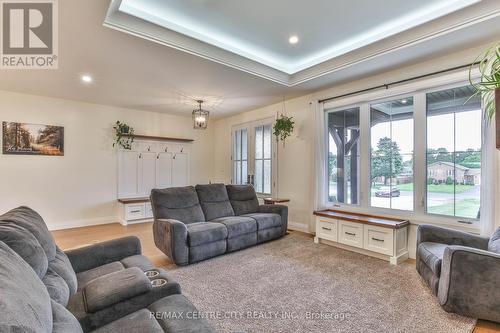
405, 200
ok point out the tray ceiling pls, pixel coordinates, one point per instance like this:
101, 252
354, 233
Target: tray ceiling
253, 36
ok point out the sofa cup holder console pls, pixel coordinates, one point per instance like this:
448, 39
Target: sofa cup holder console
158, 282
151, 273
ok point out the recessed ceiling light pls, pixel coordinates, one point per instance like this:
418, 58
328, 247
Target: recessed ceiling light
293, 39
404, 101
86, 78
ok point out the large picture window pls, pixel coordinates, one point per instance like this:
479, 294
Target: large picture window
343, 156
453, 152
416, 153
391, 173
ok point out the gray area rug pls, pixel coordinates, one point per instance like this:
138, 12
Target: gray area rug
294, 285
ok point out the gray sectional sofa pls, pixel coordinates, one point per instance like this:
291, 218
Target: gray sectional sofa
106, 287
462, 270
196, 223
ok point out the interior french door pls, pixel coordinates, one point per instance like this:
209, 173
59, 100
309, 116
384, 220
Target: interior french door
253, 156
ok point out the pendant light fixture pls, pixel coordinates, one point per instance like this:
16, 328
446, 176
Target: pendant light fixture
200, 117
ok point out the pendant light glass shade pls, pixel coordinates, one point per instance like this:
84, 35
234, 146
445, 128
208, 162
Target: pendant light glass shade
200, 117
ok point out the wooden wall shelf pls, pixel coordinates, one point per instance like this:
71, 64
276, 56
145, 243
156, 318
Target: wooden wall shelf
157, 138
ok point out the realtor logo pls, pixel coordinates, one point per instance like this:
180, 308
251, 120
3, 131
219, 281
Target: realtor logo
29, 34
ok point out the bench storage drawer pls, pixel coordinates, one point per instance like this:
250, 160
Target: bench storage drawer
378, 239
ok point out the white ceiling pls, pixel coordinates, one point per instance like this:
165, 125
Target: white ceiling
142, 73
260, 29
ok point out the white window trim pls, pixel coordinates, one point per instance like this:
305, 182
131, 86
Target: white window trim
418, 89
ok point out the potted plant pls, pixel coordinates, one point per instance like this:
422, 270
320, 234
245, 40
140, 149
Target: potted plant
124, 135
489, 85
283, 128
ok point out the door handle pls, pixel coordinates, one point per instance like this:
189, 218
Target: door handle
324, 228
378, 239
350, 234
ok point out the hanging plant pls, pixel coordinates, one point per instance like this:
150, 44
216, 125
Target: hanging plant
124, 135
489, 84
283, 128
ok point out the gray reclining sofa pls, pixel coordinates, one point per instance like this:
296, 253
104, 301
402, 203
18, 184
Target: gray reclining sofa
106, 287
462, 270
196, 223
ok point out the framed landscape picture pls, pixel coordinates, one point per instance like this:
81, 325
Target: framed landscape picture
32, 139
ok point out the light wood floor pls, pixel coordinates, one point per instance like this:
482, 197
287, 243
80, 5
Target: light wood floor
72, 238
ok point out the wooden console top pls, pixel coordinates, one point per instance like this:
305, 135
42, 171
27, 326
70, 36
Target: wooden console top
379, 221
133, 200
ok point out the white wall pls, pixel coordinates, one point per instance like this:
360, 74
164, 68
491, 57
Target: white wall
295, 161
80, 188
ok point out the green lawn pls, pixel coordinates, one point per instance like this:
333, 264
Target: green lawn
442, 188
464, 208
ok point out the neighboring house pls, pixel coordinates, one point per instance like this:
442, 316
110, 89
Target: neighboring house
440, 171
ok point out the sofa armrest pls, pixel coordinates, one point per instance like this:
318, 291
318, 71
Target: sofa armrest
432, 233
282, 210
469, 282
170, 237
99, 254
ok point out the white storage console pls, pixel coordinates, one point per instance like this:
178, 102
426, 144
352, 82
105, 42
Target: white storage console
135, 210
376, 236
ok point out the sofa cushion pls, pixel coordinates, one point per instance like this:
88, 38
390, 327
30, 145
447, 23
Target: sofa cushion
177, 304
24, 301
63, 320
237, 225
494, 243
137, 261
432, 255
205, 232
56, 286
214, 201
243, 199
136, 322
266, 220
25, 245
177, 203
85, 277
33, 222
116, 287
62, 266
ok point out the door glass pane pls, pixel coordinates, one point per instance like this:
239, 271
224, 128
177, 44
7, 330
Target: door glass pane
244, 172
343, 156
238, 145
258, 176
392, 154
240, 157
454, 152
238, 172
244, 144
267, 141
259, 142
267, 176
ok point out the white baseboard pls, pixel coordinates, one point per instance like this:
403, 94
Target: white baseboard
83, 223
298, 227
